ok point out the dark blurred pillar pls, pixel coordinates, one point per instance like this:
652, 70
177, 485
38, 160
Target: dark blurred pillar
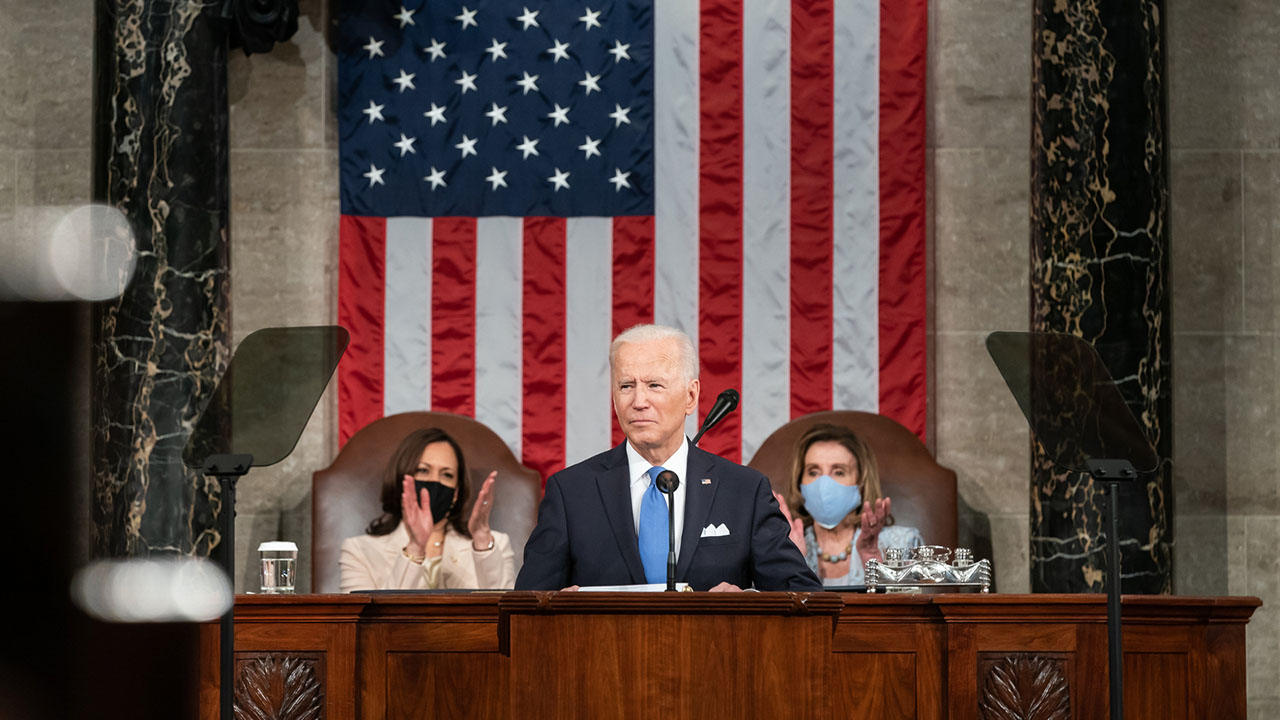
1099, 238
160, 156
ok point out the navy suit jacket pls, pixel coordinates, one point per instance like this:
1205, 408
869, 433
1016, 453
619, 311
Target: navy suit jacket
586, 534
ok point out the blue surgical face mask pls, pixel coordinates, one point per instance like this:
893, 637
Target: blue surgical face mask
828, 501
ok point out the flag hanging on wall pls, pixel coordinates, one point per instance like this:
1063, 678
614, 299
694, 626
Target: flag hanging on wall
522, 180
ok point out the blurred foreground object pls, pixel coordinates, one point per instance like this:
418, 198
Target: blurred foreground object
68, 253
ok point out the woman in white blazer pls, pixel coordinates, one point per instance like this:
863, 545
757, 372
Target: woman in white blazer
421, 540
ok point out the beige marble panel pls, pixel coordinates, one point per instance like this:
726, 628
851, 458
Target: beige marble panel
1264, 708
1261, 218
1222, 74
54, 177
1237, 556
46, 62
931, 320
1263, 635
982, 240
1199, 550
1199, 423
1205, 271
295, 525
330, 79
980, 73
278, 99
1252, 459
1011, 548
284, 230
8, 184
981, 433
283, 264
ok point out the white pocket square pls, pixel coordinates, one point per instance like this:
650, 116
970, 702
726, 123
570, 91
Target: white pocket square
715, 530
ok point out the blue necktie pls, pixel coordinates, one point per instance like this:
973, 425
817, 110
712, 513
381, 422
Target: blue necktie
653, 531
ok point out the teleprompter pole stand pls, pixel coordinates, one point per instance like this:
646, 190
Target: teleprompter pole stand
228, 469
1113, 472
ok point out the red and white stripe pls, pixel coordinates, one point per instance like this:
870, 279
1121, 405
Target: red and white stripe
787, 239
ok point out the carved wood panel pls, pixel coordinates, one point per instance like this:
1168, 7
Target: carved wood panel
1023, 686
279, 686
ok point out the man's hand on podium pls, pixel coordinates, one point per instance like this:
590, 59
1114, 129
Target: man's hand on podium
725, 587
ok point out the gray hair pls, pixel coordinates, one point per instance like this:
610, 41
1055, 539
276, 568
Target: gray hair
648, 333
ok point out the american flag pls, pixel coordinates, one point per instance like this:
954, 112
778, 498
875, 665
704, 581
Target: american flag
522, 180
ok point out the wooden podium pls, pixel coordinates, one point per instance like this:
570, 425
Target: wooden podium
713, 655
670, 655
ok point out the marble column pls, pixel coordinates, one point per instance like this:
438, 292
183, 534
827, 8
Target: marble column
1099, 268
160, 156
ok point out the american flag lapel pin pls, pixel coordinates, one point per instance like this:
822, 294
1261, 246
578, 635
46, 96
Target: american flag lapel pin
706, 481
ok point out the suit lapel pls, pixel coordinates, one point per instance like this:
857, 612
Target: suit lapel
698, 498
615, 494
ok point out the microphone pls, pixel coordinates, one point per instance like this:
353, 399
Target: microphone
725, 403
667, 482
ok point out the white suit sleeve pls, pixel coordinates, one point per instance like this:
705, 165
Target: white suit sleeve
496, 568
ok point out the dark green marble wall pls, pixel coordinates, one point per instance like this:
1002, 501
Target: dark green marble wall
1099, 269
160, 156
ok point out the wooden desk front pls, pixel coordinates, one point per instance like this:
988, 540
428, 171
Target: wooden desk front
523, 655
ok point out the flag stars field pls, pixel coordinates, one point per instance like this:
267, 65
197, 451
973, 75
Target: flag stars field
405, 81
528, 83
467, 146
436, 178
436, 114
405, 145
528, 19
468, 17
559, 51
591, 19
619, 179
528, 147
497, 178
559, 115
497, 50
550, 98
559, 180
405, 16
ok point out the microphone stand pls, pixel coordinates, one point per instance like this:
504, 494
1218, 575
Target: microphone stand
1112, 472
667, 484
228, 469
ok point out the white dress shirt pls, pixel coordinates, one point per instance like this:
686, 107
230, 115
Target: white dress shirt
678, 463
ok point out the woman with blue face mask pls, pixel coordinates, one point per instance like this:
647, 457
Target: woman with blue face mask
841, 517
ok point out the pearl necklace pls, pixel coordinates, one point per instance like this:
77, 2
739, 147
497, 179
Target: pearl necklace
836, 558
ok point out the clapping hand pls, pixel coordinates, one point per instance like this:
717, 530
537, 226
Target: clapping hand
873, 520
417, 517
481, 535
797, 525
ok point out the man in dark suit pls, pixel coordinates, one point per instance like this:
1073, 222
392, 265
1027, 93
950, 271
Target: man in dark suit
602, 521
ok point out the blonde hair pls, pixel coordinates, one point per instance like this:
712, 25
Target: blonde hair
648, 333
868, 470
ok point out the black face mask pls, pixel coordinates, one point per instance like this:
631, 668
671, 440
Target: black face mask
440, 495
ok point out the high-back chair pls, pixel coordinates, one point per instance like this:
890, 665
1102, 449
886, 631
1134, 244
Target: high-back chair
348, 494
923, 492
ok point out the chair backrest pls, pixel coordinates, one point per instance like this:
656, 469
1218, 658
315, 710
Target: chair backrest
346, 496
923, 492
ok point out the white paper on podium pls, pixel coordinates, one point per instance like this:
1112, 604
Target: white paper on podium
651, 587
